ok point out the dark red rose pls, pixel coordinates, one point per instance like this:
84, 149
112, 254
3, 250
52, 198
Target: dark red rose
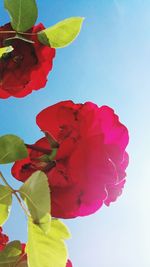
3, 239
26, 67
89, 167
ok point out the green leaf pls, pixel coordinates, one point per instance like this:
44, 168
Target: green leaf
36, 193
12, 148
10, 254
5, 203
47, 250
62, 33
5, 50
23, 13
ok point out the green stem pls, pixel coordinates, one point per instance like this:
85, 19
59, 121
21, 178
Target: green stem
14, 32
53, 142
39, 149
21, 204
28, 33
5, 182
3, 32
15, 194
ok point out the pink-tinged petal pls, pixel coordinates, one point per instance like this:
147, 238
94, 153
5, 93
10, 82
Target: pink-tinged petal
114, 131
69, 264
114, 191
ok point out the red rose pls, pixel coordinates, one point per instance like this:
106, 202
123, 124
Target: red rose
26, 67
69, 264
3, 240
89, 167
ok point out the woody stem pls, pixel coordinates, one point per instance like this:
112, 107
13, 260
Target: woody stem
5, 182
21, 203
14, 32
15, 194
39, 149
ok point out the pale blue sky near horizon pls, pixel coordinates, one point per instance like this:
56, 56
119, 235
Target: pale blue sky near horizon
108, 64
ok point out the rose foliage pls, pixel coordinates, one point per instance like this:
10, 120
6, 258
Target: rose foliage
86, 164
18, 258
46, 235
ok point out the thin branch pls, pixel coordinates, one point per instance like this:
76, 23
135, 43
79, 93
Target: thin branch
5, 182
22, 33
21, 204
28, 33
15, 194
3, 32
39, 149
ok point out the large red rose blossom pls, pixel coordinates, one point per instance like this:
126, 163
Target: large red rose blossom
3, 239
26, 67
89, 167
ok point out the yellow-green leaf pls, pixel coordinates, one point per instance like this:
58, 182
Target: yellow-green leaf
44, 223
47, 250
61, 34
5, 50
59, 229
5, 203
36, 193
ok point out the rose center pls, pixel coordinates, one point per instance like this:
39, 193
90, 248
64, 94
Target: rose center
18, 59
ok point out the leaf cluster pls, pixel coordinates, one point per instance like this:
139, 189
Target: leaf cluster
46, 235
23, 15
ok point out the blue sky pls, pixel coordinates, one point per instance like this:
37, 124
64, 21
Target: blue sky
108, 64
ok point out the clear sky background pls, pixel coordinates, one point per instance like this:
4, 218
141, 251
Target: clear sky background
108, 64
